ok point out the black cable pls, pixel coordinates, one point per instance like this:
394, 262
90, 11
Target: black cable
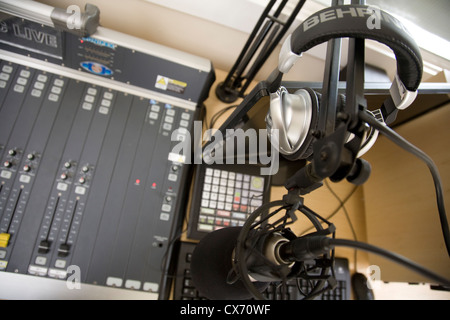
336, 210
348, 220
219, 114
404, 144
391, 256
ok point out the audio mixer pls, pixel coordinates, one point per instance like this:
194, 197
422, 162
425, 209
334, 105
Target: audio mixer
91, 195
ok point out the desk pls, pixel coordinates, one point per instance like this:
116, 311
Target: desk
321, 201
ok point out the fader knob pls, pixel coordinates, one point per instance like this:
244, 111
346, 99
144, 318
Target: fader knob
63, 250
44, 247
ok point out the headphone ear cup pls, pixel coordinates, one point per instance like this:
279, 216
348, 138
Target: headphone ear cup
306, 149
295, 116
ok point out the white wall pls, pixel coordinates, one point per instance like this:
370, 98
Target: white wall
217, 30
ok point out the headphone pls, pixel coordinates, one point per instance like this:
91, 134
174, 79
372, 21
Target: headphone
295, 115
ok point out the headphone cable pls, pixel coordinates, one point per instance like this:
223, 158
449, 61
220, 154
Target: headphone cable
404, 144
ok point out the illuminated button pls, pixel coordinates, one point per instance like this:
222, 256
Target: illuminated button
4, 76
108, 95
40, 261
207, 211
150, 286
60, 264
223, 213
25, 73
19, 89
80, 190
106, 103
39, 85
56, 90
4, 239
7, 69
133, 284
89, 98
239, 215
62, 186
22, 81
87, 106
42, 78
205, 227
164, 216
24, 178
114, 282
58, 82
3, 264
5, 174
153, 115
168, 119
36, 93
2, 254
92, 91
257, 184
53, 97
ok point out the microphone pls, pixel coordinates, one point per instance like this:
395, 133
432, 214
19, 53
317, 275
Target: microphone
270, 258
212, 267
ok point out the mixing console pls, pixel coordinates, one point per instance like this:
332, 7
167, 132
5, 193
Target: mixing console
87, 178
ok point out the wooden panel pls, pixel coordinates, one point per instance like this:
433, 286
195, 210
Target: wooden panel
401, 210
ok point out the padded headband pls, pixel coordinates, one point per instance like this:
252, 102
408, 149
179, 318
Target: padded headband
353, 21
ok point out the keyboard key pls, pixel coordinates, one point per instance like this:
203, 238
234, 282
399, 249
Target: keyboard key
257, 184
223, 213
205, 227
207, 211
239, 215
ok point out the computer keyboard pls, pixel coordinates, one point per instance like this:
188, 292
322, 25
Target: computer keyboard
225, 196
185, 287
